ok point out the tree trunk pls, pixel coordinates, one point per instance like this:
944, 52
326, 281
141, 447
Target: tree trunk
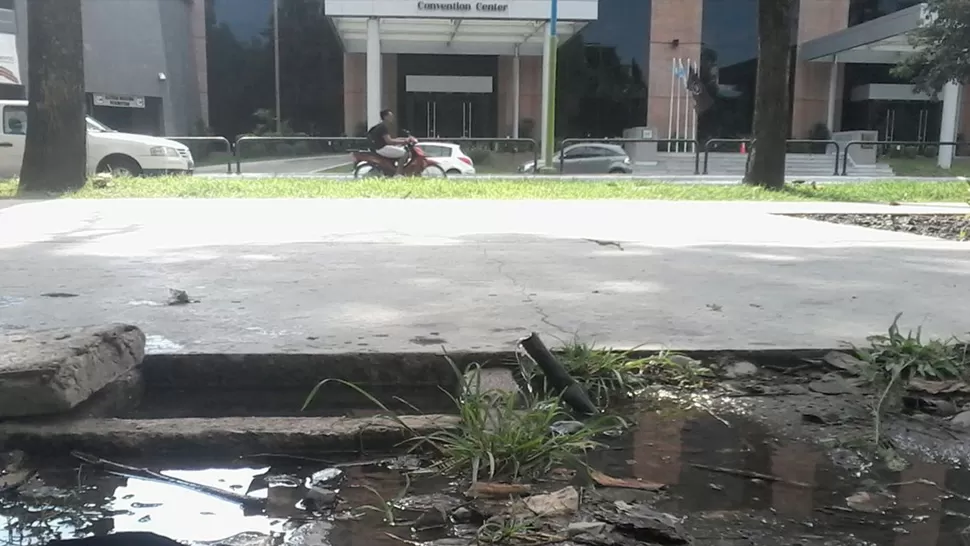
772, 114
55, 153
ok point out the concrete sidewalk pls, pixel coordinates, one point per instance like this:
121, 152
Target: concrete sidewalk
383, 275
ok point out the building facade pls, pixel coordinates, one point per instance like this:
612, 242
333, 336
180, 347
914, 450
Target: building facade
144, 62
469, 68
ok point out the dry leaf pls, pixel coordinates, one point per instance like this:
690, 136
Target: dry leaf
938, 387
610, 481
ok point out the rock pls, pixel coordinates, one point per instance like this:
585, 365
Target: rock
462, 515
832, 384
868, 503
635, 524
961, 420
55, 370
318, 498
683, 361
326, 478
435, 517
14, 470
740, 369
580, 527
562, 428
558, 503
844, 362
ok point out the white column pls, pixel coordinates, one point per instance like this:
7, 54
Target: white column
833, 94
949, 123
516, 69
373, 71
544, 126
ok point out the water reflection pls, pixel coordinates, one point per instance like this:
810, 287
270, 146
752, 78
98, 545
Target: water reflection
712, 470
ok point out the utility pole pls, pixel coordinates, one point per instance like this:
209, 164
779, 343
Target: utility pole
276, 62
549, 140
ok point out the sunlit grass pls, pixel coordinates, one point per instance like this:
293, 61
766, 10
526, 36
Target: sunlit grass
510, 189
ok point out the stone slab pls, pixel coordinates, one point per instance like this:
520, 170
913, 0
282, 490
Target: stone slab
406, 276
53, 371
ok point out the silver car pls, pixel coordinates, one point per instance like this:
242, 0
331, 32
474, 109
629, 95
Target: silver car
589, 158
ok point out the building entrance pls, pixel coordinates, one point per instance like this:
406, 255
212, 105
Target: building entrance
449, 115
904, 120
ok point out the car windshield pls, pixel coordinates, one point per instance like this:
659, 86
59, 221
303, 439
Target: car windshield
97, 126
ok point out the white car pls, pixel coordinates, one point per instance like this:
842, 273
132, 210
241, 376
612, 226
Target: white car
122, 154
449, 156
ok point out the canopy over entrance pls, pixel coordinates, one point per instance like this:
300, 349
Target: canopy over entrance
881, 41
464, 27
452, 36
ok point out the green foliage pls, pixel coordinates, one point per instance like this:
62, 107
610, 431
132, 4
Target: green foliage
509, 435
909, 356
941, 53
609, 376
894, 358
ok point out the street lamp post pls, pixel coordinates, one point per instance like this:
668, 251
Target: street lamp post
276, 62
549, 140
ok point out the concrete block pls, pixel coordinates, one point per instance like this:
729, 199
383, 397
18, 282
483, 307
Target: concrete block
52, 371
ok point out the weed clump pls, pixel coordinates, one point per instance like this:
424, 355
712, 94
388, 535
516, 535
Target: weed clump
513, 435
609, 376
893, 359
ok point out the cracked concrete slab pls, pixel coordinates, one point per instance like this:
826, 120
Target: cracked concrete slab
412, 275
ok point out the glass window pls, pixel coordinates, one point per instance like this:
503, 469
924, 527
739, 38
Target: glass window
239, 49
602, 72
15, 120
431, 150
861, 11
6, 4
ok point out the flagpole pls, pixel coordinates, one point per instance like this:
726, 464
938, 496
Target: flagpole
687, 104
550, 136
677, 123
670, 116
276, 62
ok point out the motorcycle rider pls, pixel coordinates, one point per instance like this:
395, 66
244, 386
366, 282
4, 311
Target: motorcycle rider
381, 142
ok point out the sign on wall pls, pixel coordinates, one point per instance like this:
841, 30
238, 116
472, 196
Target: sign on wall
464, 7
119, 101
9, 62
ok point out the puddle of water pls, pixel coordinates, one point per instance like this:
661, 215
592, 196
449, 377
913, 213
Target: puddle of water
739, 473
68, 503
731, 480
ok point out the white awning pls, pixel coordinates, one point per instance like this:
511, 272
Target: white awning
452, 36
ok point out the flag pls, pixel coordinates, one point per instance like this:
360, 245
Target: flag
8, 74
702, 100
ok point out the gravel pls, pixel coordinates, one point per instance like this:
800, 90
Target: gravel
955, 227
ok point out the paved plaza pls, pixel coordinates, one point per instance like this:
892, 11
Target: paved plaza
414, 275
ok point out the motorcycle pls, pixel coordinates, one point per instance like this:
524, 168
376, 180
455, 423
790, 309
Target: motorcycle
371, 164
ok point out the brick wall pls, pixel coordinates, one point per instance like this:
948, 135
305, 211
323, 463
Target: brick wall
817, 18
670, 20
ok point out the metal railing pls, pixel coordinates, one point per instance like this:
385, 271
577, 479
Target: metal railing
917, 144
336, 145
711, 143
826, 143
326, 145
223, 141
573, 141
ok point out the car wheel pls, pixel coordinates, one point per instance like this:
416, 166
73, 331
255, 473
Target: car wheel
433, 171
121, 166
452, 172
617, 171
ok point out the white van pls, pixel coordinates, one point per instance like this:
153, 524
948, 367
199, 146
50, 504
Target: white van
123, 154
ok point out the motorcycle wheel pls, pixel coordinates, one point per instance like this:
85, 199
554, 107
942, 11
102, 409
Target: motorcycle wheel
433, 171
366, 170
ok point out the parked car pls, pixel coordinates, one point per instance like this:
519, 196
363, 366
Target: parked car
450, 156
589, 158
123, 154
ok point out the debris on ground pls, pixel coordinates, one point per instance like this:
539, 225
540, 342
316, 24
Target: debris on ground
496, 490
564, 502
179, 297
14, 470
739, 369
634, 524
609, 481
